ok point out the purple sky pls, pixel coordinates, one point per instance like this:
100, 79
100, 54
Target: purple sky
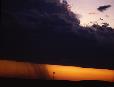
89, 13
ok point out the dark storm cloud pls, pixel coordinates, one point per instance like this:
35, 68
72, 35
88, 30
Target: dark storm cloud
46, 32
103, 8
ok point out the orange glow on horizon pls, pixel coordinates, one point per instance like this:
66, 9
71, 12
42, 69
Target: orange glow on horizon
77, 73
37, 71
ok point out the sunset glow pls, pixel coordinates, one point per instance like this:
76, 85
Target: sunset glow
78, 73
35, 71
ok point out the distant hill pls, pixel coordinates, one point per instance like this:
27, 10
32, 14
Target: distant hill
56, 83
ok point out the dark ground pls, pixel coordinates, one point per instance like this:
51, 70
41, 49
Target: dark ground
53, 83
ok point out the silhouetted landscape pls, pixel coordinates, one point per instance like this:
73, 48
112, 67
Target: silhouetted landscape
57, 83
48, 32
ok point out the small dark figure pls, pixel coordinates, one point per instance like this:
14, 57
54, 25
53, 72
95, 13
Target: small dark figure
53, 75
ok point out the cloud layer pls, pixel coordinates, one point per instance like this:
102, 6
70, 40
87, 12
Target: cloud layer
46, 32
103, 8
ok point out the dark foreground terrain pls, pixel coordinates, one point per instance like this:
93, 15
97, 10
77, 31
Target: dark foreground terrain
54, 83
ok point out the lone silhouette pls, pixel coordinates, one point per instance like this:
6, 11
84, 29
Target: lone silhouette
53, 75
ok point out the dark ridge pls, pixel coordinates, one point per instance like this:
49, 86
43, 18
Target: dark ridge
57, 83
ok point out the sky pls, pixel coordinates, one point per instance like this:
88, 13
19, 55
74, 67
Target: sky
74, 73
89, 13
37, 71
40, 32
